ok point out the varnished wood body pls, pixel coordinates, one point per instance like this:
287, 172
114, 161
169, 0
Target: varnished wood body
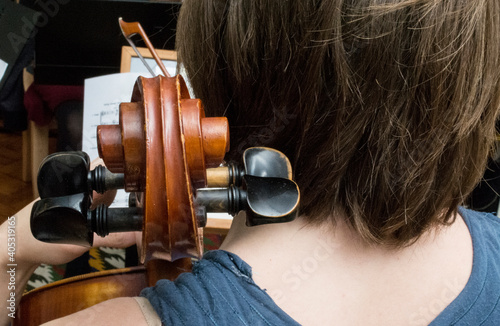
73, 294
70, 295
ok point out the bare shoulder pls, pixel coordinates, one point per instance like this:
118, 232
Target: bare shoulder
118, 311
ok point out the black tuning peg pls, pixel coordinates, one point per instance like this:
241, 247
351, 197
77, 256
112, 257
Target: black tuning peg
62, 220
68, 173
62, 174
67, 219
63, 215
271, 200
266, 163
267, 193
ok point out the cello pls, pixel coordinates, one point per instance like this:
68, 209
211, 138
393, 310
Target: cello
170, 157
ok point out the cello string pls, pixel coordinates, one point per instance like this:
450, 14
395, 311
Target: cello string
130, 29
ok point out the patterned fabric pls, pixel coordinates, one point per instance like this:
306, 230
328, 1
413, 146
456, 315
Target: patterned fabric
102, 259
44, 275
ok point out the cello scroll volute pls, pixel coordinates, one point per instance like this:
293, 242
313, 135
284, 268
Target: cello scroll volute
163, 145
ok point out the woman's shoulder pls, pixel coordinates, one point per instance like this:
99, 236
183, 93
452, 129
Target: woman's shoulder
483, 227
467, 213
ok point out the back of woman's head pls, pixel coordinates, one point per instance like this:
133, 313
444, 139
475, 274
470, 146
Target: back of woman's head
386, 108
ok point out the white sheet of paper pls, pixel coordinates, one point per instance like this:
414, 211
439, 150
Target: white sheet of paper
3, 68
101, 105
136, 65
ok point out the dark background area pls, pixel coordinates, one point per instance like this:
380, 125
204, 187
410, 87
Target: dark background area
78, 39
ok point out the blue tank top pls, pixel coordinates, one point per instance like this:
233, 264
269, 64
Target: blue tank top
479, 302
220, 289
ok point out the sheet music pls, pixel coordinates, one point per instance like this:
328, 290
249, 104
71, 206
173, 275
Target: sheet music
102, 98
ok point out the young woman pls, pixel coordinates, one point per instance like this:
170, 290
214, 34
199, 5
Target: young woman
387, 111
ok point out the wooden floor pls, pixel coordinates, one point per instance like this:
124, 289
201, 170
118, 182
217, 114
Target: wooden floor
14, 192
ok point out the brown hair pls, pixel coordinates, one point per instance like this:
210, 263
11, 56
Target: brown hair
386, 108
